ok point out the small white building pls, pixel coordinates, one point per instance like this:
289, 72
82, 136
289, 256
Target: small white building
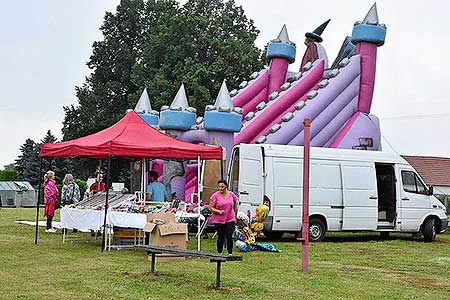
17, 194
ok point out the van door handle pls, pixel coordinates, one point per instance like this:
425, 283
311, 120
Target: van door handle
405, 199
373, 198
243, 192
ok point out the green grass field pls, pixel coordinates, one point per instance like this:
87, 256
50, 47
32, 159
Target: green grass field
345, 266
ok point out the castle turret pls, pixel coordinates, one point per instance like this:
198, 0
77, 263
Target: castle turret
144, 109
179, 115
280, 53
367, 36
223, 116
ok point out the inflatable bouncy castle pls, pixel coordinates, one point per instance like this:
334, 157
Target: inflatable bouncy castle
271, 105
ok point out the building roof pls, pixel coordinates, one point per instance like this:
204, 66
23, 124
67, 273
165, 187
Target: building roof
434, 170
15, 186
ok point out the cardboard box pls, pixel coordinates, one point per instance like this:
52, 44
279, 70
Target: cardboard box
382, 215
170, 234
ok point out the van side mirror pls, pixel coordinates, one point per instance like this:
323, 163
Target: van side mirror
430, 191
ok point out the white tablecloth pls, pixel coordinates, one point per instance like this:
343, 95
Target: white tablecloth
126, 220
82, 219
88, 219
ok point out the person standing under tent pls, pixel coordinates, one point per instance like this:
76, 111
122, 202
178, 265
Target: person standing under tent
156, 192
50, 198
70, 192
223, 205
98, 185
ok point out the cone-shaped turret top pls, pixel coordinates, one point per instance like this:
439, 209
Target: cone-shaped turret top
281, 47
369, 30
316, 34
143, 105
283, 37
223, 100
372, 15
180, 100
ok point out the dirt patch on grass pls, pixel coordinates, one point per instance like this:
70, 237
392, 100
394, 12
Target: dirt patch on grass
178, 279
229, 289
422, 282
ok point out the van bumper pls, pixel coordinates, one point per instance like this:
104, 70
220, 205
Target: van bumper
444, 225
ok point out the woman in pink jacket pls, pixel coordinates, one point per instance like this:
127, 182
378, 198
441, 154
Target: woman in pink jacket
50, 198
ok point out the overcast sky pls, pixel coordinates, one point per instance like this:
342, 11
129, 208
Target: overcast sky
45, 46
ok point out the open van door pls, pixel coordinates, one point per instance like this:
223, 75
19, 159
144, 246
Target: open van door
250, 186
360, 203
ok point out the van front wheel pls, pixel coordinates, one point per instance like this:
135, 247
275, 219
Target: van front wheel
316, 230
429, 231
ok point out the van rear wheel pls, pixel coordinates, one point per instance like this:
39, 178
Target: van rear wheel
316, 230
429, 231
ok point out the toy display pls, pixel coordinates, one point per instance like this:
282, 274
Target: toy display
246, 236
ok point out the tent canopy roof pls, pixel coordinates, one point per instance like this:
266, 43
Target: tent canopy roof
130, 137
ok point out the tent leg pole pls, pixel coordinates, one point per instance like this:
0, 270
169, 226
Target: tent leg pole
108, 175
37, 202
143, 183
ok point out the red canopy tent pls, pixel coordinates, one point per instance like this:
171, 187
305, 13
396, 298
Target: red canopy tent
129, 137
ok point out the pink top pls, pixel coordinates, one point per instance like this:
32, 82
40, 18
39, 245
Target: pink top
225, 204
50, 191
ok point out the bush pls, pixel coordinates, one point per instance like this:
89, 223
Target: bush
8, 175
83, 186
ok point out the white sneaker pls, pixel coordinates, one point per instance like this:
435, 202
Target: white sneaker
48, 230
52, 230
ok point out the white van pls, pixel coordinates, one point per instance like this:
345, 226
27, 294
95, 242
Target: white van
350, 190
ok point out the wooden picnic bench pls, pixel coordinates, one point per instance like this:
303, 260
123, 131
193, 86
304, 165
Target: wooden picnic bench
213, 257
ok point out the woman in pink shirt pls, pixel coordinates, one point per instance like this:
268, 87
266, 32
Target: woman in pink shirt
223, 205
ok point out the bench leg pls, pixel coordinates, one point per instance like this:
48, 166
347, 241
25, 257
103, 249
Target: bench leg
153, 262
218, 274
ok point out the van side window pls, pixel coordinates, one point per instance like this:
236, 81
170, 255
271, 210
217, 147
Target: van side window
412, 183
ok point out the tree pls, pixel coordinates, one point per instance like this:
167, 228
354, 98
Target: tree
158, 44
49, 138
103, 98
9, 166
50, 163
8, 175
206, 42
27, 164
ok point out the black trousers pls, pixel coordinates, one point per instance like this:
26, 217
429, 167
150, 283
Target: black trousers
225, 231
49, 222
